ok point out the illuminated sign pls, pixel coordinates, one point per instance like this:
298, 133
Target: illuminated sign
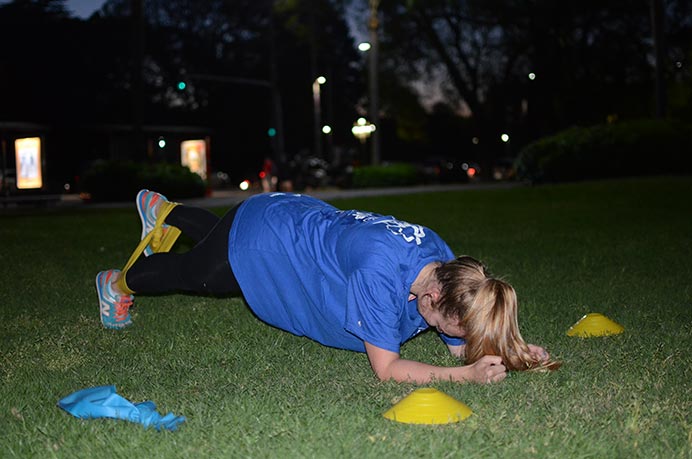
193, 154
28, 160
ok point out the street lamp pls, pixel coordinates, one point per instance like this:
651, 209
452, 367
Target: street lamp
362, 129
505, 139
317, 112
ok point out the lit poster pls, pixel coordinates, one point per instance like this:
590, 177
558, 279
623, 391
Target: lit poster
193, 154
28, 160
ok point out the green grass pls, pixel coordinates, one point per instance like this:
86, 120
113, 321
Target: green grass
621, 248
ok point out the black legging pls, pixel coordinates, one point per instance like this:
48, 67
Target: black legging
204, 269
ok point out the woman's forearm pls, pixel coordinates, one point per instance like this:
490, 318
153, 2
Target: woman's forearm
388, 365
403, 370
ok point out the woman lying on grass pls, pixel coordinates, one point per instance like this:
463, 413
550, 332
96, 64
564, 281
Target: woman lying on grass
347, 279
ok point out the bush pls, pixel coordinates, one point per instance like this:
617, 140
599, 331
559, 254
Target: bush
121, 180
634, 148
395, 174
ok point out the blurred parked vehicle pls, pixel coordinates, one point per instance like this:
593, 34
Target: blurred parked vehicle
503, 169
306, 172
472, 170
437, 170
300, 173
219, 180
313, 172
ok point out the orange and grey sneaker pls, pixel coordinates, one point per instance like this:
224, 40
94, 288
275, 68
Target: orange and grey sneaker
148, 204
115, 308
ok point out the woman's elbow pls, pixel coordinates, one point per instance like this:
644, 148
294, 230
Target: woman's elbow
383, 374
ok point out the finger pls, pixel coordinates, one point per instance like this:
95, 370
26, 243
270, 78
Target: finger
492, 378
500, 377
539, 356
493, 372
492, 359
497, 369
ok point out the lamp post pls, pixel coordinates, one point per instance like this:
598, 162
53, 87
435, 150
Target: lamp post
373, 25
317, 113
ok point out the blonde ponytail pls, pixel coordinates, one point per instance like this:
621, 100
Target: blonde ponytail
487, 309
492, 327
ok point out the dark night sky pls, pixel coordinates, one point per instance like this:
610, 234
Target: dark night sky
80, 8
83, 8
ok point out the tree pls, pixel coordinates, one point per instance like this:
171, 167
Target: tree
38, 76
591, 60
226, 52
313, 39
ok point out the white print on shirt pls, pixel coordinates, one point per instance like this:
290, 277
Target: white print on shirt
408, 231
273, 195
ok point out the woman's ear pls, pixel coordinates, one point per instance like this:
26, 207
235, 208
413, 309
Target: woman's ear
434, 291
425, 303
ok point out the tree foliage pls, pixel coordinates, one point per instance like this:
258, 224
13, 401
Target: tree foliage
117, 66
590, 59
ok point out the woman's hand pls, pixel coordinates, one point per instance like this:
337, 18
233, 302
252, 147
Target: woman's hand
538, 353
487, 369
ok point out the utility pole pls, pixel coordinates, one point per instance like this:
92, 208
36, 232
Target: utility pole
373, 25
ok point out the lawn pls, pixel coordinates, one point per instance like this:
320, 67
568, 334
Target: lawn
620, 248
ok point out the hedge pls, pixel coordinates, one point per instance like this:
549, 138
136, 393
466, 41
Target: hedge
121, 180
634, 148
394, 174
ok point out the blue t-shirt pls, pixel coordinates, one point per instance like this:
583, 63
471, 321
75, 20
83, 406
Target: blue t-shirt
337, 277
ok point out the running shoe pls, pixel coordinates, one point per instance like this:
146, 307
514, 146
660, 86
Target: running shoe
148, 203
115, 309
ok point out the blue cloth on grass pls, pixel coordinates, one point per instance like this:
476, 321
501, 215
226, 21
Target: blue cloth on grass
103, 402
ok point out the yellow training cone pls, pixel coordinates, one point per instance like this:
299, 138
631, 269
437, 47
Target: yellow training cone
428, 406
595, 324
